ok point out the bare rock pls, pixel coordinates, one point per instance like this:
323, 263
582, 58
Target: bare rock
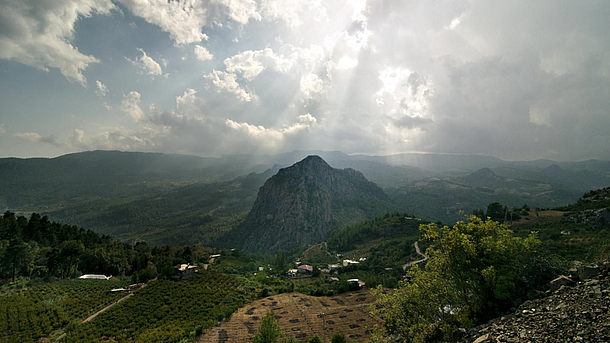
484, 338
587, 272
561, 281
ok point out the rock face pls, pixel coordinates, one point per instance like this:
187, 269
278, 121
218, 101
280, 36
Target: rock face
304, 203
570, 314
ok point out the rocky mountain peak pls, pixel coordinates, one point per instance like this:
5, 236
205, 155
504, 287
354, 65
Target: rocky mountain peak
310, 165
304, 203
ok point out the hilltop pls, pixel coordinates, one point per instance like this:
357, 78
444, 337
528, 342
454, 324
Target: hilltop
303, 204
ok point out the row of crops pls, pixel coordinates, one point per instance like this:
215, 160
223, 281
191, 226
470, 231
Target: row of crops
35, 312
168, 311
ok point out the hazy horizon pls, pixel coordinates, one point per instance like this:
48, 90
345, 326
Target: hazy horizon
518, 81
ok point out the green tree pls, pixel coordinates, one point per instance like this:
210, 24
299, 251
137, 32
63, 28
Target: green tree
495, 211
474, 269
269, 330
17, 253
339, 338
70, 252
315, 339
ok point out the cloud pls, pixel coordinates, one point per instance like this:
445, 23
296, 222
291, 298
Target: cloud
28, 136
147, 64
35, 138
228, 82
39, 34
184, 20
2, 129
102, 90
202, 53
293, 12
77, 137
131, 105
516, 80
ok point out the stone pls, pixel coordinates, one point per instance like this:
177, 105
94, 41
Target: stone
587, 272
561, 281
484, 338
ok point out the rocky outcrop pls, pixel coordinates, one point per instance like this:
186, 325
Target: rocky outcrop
593, 209
304, 203
594, 217
578, 313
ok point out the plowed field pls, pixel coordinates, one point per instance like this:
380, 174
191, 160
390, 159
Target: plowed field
302, 316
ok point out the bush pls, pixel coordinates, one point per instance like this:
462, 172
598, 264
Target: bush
474, 270
269, 330
339, 338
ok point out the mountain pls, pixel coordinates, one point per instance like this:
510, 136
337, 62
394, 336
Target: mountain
303, 204
482, 178
157, 197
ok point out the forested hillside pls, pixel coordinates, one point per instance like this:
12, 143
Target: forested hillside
35, 247
178, 199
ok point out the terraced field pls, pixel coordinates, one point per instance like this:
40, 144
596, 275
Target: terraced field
302, 316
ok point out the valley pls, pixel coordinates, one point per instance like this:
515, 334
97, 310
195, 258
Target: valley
299, 240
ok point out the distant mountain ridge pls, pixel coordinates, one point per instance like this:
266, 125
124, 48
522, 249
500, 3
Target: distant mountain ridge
157, 197
304, 203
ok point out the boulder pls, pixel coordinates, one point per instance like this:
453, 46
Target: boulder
484, 338
561, 281
587, 272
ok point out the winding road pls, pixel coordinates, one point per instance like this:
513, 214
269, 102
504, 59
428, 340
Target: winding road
418, 251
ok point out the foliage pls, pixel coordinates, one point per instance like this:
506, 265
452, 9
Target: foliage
591, 200
39, 248
269, 330
339, 338
168, 311
26, 315
475, 268
388, 226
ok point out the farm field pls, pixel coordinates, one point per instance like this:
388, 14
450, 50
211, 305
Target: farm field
168, 311
302, 317
27, 315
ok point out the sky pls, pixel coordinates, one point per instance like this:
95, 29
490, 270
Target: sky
519, 80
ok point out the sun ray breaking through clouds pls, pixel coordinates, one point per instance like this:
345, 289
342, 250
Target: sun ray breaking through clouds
518, 80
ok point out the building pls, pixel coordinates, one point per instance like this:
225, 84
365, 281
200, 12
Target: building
94, 277
186, 270
349, 262
361, 284
305, 268
292, 273
332, 267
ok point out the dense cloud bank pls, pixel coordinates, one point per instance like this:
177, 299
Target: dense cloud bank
517, 80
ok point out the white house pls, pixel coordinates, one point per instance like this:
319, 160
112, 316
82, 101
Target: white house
292, 273
349, 262
94, 277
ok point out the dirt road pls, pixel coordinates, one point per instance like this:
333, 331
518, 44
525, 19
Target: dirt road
418, 251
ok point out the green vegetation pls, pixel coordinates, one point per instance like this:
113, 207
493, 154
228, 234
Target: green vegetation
168, 311
475, 270
195, 213
29, 314
37, 248
385, 241
268, 331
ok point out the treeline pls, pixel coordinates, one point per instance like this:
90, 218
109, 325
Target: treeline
389, 226
39, 248
501, 213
